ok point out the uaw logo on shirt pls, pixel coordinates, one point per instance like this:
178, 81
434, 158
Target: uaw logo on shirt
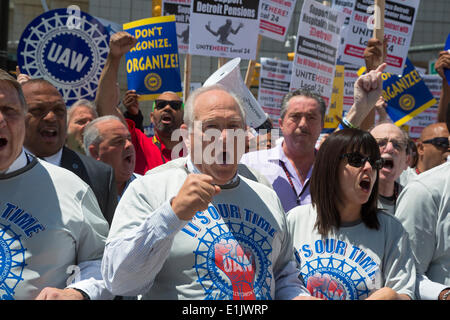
336, 270
232, 258
70, 56
12, 262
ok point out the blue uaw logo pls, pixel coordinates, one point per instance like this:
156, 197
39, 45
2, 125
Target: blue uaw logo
231, 261
70, 58
334, 279
153, 81
12, 262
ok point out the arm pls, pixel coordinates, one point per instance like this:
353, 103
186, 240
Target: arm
367, 91
142, 234
443, 62
106, 99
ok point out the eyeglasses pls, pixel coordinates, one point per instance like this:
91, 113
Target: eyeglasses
174, 104
398, 145
357, 160
438, 142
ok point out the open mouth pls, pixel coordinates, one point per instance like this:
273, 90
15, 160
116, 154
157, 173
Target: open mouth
365, 185
223, 158
128, 158
388, 163
3, 142
49, 133
166, 118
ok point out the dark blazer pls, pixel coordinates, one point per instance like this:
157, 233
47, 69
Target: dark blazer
98, 175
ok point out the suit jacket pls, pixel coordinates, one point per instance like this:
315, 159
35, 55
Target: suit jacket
98, 175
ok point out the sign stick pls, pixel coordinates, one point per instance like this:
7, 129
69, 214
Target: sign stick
187, 76
251, 65
378, 33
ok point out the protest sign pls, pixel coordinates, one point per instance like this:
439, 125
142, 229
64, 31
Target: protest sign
406, 95
275, 18
69, 50
181, 9
152, 64
317, 43
399, 20
224, 28
350, 77
337, 100
346, 7
430, 115
274, 80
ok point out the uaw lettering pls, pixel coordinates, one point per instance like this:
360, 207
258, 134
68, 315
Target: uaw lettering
231, 258
336, 270
153, 64
66, 47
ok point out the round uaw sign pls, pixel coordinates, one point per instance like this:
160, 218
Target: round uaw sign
67, 48
407, 102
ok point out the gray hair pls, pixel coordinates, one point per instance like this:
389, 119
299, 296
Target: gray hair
81, 103
91, 134
305, 93
5, 76
189, 114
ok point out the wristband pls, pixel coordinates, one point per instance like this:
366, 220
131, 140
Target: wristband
347, 124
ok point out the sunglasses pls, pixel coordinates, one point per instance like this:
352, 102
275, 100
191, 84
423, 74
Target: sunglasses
174, 104
398, 145
438, 142
357, 160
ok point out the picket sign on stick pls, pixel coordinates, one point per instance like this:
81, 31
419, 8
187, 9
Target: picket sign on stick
252, 64
187, 76
378, 33
379, 26
220, 62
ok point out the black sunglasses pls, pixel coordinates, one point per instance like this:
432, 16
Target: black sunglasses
174, 104
438, 142
357, 160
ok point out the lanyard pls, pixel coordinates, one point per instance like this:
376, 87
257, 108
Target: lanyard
292, 184
158, 144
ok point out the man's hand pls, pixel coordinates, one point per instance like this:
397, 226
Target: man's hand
120, 43
442, 62
373, 55
59, 294
367, 91
131, 103
195, 195
21, 77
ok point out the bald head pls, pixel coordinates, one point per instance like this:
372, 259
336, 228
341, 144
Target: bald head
434, 130
433, 147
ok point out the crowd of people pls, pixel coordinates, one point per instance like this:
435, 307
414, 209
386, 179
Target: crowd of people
92, 208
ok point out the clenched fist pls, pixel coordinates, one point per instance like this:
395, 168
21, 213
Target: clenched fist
195, 194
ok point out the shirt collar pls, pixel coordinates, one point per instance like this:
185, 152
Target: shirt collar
53, 159
19, 163
193, 169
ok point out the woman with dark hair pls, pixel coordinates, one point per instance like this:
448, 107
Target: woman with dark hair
347, 248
